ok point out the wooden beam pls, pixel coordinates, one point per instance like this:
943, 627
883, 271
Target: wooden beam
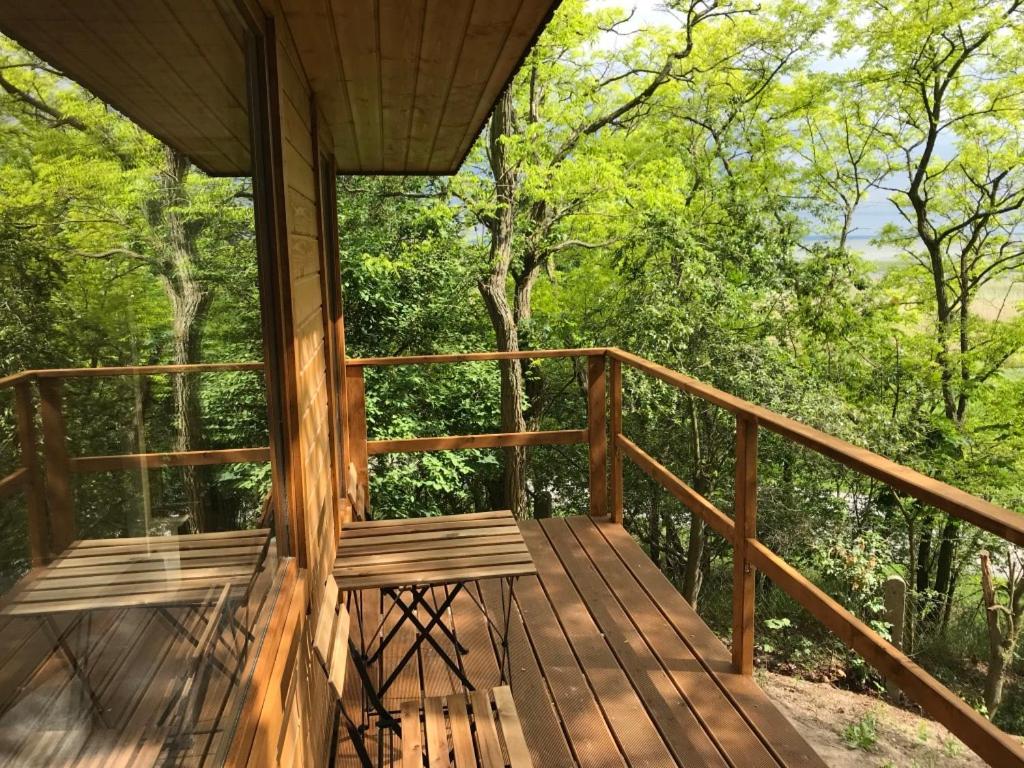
463, 442
597, 437
59, 497
693, 501
746, 530
169, 459
35, 499
984, 514
470, 357
989, 742
615, 492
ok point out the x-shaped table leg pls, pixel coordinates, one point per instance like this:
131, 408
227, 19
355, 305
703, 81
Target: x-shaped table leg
424, 635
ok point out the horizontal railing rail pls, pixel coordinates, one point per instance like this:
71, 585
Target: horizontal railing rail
47, 484
993, 518
473, 357
360, 448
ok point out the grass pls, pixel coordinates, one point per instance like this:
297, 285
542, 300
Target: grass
862, 734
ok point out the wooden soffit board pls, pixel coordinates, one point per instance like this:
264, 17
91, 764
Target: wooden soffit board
406, 85
175, 67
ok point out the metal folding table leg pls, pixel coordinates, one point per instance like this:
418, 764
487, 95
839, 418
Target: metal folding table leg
424, 635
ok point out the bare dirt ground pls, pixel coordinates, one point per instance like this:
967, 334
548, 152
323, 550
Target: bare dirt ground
832, 720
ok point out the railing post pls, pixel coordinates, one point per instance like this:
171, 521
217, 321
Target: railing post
746, 528
616, 491
58, 466
597, 438
35, 504
358, 469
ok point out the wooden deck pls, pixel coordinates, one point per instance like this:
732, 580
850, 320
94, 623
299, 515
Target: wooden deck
609, 665
135, 664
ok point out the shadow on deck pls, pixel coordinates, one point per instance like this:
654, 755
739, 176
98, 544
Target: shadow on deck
134, 660
609, 665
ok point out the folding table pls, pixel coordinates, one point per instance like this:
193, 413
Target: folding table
404, 559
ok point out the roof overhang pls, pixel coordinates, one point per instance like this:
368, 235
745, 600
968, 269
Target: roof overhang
405, 85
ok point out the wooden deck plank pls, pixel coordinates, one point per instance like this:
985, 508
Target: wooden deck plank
609, 666
545, 735
623, 709
713, 712
669, 712
743, 691
589, 737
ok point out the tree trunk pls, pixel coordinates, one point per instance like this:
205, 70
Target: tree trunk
692, 577
189, 303
494, 290
1002, 635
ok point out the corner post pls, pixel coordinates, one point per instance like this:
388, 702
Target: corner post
358, 486
58, 466
616, 490
38, 529
746, 529
596, 436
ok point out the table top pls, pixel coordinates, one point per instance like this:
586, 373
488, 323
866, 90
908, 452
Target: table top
377, 554
94, 574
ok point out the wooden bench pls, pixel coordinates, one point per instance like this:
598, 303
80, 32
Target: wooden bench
478, 729
463, 730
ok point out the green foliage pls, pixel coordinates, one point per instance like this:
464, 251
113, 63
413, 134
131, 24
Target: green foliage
862, 734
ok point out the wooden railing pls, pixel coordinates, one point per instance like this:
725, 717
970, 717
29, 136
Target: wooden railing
604, 393
51, 524
47, 485
594, 435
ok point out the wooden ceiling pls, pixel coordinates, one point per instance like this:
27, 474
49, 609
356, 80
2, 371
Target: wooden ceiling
176, 67
406, 85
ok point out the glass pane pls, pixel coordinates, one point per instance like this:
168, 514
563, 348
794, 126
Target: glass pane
137, 557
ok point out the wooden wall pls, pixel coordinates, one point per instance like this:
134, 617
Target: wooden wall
288, 706
302, 128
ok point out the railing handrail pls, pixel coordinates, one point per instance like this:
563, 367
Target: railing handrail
51, 521
125, 370
472, 357
973, 509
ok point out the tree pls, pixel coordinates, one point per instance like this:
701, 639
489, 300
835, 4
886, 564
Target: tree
117, 206
540, 178
1003, 618
947, 78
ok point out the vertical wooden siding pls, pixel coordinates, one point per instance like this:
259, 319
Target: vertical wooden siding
302, 129
290, 718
